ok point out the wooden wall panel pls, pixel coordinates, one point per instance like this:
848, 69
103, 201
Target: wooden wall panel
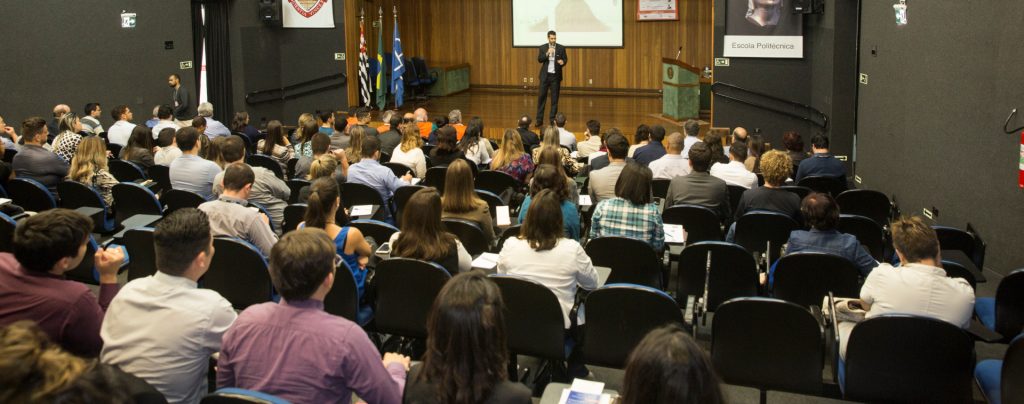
479, 32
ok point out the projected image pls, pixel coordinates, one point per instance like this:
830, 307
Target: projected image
579, 23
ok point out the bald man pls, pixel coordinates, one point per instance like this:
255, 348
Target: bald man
423, 123
738, 135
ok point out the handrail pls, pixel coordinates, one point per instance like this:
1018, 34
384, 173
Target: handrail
281, 94
809, 113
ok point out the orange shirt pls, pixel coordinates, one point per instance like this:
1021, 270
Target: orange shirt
460, 130
425, 128
352, 121
383, 128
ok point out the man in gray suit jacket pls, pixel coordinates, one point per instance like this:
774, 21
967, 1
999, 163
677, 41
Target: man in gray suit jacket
699, 187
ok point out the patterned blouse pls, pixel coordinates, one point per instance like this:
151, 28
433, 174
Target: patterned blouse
103, 182
280, 153
303, 149
572, 167
66, 144
518, 168
620, 217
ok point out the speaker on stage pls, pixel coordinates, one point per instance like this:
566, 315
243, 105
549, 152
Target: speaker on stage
270, 12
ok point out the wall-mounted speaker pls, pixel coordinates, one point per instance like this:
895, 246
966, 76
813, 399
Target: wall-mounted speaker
270, 12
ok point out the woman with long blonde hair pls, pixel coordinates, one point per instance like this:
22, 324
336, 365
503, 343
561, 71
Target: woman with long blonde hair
304, 132
550, 141
409, 152
511, 159
355, 143
89, 167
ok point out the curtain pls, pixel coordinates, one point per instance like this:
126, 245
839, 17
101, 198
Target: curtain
218, 55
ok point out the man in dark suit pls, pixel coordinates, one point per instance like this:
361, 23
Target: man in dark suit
529, 138
552, 58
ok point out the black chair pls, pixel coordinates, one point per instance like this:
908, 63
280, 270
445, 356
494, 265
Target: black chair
126, 171
1004, 313
295, 186
176, 199
435, 178
30, 194
735, 193
768, 344
800, 191
384, 157
733, 273
290, 167
619, 316
900, 358
86, 272
250, 147
380, 232
406, 290
659, 188
422, 73
76, 195
353, 194
955, 270
343, 299
132, 199
511, 231
139, 243
631, 261
7, 226
497, 182
865, 202
238, 272
401, 197
399, 169
162, 176
826, 185
965, 241
805, 278
764, 232
411, 79
115, 150
700, 223
293, 215
260, 160
469, 233
999, 379
9, 155
534, 322
868, 232
493, 202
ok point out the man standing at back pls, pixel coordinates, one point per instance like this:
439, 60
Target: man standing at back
180, 101
552, 58
163, 328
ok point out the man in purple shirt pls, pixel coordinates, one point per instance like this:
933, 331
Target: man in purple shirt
294, 349
32, 284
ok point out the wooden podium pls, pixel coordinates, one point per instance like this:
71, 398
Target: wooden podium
680, 90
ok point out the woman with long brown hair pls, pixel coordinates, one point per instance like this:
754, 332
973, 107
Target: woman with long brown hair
276, 145
511, 159
140, 147
409, 152
466, 358
446, 150
550, 177
424, 238
669, 367
554, 157
460, 200
89, 167
474, 145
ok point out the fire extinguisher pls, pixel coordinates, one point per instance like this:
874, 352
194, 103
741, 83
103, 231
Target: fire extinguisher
1020, 165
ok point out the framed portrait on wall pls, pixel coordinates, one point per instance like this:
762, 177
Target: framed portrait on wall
657, 10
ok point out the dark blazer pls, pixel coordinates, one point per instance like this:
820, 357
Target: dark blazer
542, 57
528, 137
184, 109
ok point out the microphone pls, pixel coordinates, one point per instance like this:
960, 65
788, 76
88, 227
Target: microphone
679, 53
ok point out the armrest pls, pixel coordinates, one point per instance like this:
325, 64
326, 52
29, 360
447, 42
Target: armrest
982, 333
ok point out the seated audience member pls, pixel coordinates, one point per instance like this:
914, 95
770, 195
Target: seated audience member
89, 167
593, 141
550, 141
214, 128
163, 328
632, 213
565, 138
699, 187
714, 141
691, 128
121, 130
230, 214
91, 120
54, 125
668, 366
166, 115
371, 173
36, 370
600, 159
474, 145
357, 135
362, 116
276, 144
35, 162
66, 143
776, 167
738, 135
439, 122
268, 190
168, 148
654, 149
326, 120
554, 157
304, 132
423, 123
155, 119
733, 172
325, 166
388, 133
321, 147
191, 172
323, 204
672, 164
461, 202
641, 138
139, 149
32, 284
409, 152
821, 213
542, 253
6, 172
455, 120
918, 287
446, 151
602, 181
549, 177
794, 144
295, 350
240, 124
423, 237
465, 360
511, 159
822, 163
8, 136
755, 148
528, 138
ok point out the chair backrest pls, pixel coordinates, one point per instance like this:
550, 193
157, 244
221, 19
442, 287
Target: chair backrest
380, 231
126, 171
293, 215
469, 233
495, 181
493, 201
250, 147
290, 167
868, 232
76, 195
7, 226
865, 202
768, 344
659, 187
733, 273
353, 194
86, 272
699, 222
406, 289
631, 261
233, 395
956, 270
1010, 304
139, 243
823, 184
735, 193
511, 231
800, 191
951, 238
343, 299
899, 358
295, 187
805, 278
756, 229
533, 318
9, 155
162, 176
115, 149
399, 169
177, 198
238, 272
435, 178
1011, 389
421, 67
134, 199
619, 316
260, 160
401, 197
30, 194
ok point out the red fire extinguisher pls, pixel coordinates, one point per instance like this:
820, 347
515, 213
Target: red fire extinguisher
1020, 166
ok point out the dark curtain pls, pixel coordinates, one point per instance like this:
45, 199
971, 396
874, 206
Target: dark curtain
218, 55
197, 46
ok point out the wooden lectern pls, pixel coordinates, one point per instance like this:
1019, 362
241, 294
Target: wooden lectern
680, 90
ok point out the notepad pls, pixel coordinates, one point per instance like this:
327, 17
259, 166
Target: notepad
361, 210
503, 216
585, 200
4, 201
585, 392
415, 181
486, 261
674, 234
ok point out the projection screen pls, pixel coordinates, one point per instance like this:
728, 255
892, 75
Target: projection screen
579, 23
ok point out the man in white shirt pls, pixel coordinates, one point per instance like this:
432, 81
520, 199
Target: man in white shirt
565, 138
918, 287
692, 129
735, 173
214, 128
121, 130
168, 147
91, 120
162, 328
166, 115
673, 163
592, 144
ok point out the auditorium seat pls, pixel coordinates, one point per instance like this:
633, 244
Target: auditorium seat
86, 272
114, 149
406, 290
435, 178
76, 195
1000, 379
735, 193
399, 169
353, 194
177, 198
262, 209
293, 215
401, 197
238, 272
963, 246
260, 160
618, 316
422, 72
343, 298
250, 147
764, 232
30, 195
493, 201
1004, 313
805, 278
469, 233
290, 167
533, 322
7, 226
868, 203
126, 171
800, 191
659, 187
733, 274
162, 176
295, 187
700, 223
869, 233
231, 395
139, 243
132, 199
826, 185
511, 231
380, 232
955, 270
496, 182
632, 261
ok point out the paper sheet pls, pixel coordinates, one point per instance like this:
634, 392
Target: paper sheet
503, 216
674, 234
585, 200
486, 261
361, 210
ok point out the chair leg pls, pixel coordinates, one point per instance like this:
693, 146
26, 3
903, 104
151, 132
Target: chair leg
764, 396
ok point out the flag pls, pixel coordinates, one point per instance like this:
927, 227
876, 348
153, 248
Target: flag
397, 68
364, 77
382, 93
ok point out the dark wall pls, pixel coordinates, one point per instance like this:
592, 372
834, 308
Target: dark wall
824, 79
75, 52
930, 119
